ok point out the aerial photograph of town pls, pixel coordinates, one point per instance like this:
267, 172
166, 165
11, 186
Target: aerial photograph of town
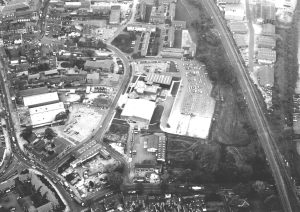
149, 106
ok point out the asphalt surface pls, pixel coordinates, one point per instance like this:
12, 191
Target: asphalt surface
285, 187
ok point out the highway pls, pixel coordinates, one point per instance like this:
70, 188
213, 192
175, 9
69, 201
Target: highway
285, 187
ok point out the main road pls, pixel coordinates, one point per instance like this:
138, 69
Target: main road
285, 187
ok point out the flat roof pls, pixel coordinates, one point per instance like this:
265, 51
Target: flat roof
40, 99
238, 27
98, 64
266, 41
159, 78
266, 54
186, 39
33, 91
45, 114
140, 108
115, 15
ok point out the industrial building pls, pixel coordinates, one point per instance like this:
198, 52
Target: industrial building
234, 12
265, 12
223, 2
187, 43
46, 114
161, 79
266, 56
40, 99
143, 169
138, 27
145, 44
266, 42
171, 37
172, 53
179, 24
268, 29
238, 27
172, 10
138, 110
115, 14
104, 65
241, 40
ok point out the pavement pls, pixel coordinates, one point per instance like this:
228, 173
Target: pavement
285, 187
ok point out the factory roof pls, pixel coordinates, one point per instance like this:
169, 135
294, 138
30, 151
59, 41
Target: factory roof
40, 99
186, 40
51, 72
115, 15
241, 40
140, 108
268, 29
238, 27
266, 41
45, 114
33, 91
265, 54
159, 78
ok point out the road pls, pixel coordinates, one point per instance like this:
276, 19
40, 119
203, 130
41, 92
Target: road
285, 187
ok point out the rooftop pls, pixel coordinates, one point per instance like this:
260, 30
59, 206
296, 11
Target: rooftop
158, 78
33, 91
104, 64
139, 108
40, 99
45, 114
265, 54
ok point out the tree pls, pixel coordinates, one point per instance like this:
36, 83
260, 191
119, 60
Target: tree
26, 133
49, 133
115, 179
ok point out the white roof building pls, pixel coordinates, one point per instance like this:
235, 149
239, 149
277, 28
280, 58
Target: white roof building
40, 99
139, 110
234, 12
45, 114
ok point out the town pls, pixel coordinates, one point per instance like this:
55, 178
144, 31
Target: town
147, 105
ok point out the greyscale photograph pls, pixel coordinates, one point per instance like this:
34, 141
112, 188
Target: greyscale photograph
149, 106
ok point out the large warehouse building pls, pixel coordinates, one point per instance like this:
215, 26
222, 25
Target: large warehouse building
139, 110
115, 15
40, 99
45, 114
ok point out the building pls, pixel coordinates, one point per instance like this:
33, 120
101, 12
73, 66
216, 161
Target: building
44, 115
171, 37
161, 79
187, 43
265, 76
33, 91
241, 40
139, 27
266, 56
143, 169
161, 152
268, 29
172, 10
50, 73
40, 99
265, 12
157, 15
223, 2
115, 14
138, 110
172, 53
179, 24
145, 44
104, 65
93, 78
234, 12
238, 27
266, 42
